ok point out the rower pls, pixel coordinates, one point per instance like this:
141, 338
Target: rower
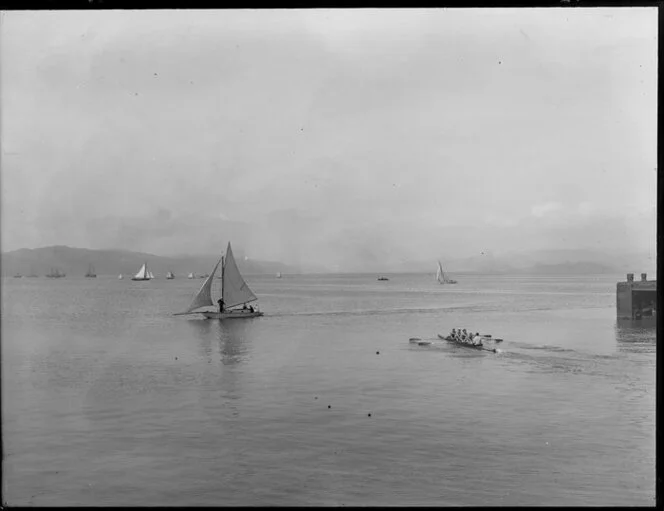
477, 340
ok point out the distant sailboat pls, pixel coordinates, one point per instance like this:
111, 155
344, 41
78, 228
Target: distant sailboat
441, 277
150, 274
142, 274
279, 275
91, 272
120, 277
190, 276
18, 276
55, 274
170, 275
234, 292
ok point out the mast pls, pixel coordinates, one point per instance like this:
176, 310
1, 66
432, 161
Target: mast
221, 284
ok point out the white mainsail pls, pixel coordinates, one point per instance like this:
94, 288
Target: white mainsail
204, 296
142, 273
440, 274
235, 290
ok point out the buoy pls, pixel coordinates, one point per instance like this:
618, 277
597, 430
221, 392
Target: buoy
369, 415
329, 406
316, 397
176, 358
378, 353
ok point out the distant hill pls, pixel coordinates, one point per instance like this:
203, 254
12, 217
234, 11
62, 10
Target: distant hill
75, 261
540, 261
580, 268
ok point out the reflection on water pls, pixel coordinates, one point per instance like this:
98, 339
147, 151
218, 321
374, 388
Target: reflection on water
232, 336
636, 334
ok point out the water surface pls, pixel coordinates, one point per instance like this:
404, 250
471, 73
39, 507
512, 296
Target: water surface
108, 399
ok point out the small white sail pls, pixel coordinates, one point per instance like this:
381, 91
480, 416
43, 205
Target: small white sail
120, 277
204, 295
141, 273
150, 275
235, 290
190, 276
440, 274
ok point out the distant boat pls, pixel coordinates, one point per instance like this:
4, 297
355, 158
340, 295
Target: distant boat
18, 276
120, 277
170, 275
205, 276
191, 276
55, 274
142, 274
382, 278
91, 272
279, 275
441, 277
234, 292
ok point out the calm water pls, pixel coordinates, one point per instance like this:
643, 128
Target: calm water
108, 399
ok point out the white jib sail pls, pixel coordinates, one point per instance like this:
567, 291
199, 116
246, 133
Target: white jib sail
440, 275
204, 296
141, 273
235, 290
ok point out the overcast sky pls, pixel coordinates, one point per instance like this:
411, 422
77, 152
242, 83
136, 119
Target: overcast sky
330, 135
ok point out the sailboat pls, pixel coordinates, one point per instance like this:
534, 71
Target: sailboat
441, 277
279, 275
142, 274
55, 274
170, 275
190, 276
91, 272
120, 277
234, 292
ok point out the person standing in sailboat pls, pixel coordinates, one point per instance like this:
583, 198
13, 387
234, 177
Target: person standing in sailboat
221, 305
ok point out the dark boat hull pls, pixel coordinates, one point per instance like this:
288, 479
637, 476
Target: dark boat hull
466, 345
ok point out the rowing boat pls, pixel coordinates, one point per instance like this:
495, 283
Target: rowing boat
465, 344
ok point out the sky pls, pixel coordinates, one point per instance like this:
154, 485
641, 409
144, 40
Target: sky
330, 136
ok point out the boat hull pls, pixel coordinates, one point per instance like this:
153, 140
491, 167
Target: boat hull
240, 314
466, 345
134, 278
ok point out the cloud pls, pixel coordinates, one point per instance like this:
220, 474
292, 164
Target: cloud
326, 135
540, 210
